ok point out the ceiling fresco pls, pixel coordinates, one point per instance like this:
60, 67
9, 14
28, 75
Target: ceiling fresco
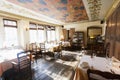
62, 10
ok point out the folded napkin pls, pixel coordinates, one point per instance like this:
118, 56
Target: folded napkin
115, 60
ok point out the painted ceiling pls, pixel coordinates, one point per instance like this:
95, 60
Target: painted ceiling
62, 10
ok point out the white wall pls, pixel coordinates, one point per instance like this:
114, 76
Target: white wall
58, 33
2, 34
82, 26
23, 34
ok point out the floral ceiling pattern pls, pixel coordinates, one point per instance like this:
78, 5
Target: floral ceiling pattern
62, 10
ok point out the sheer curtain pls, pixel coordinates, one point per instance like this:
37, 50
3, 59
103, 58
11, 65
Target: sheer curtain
11, 34
41, 36
51, 36
33, 36
33, 33
11, 37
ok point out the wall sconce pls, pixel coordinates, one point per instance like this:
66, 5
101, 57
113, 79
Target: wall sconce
62, 38
27, 28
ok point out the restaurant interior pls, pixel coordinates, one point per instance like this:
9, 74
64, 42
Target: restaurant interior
59, 40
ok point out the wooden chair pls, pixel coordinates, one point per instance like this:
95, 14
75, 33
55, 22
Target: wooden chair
100, 75
59, 50
35, 50
46, 52
22, 69
42, 48
107, 49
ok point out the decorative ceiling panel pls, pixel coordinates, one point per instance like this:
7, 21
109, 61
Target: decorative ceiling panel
95, 8
63, 10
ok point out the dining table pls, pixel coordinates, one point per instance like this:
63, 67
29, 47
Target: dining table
51, 47
66, 44
96, 63
7, 56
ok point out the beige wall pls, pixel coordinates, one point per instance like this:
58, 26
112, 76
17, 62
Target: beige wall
23, 35
82, 26
2, 34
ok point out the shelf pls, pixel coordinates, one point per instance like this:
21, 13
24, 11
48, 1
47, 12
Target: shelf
78, 39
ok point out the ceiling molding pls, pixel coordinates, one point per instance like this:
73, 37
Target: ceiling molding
18, 17
85, 21
8, 7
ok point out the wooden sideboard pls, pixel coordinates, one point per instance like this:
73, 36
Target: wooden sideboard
78, 40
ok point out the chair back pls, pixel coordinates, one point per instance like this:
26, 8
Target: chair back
34, 46
60, 46
107, 49
100, 75
42, 46
24, 65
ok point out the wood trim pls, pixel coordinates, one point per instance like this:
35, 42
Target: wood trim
10, 25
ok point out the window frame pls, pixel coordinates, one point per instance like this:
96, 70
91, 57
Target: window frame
11, 26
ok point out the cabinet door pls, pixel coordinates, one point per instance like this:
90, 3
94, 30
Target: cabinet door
64, 34
78, 39
71, 32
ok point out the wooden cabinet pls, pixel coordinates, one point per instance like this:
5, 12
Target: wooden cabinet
78, 40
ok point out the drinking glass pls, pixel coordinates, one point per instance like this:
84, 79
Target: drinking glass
92, 60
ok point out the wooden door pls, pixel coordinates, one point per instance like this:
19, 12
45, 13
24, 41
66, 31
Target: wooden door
71, 32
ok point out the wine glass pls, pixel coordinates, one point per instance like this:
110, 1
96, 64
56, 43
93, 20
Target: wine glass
93, 55
109, 61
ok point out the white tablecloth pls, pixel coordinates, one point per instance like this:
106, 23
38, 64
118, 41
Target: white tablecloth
6, 57
98, 63
66, 44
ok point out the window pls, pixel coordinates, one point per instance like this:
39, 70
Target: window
41, 36
51, 34
10, 33
33, 33
37, 33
